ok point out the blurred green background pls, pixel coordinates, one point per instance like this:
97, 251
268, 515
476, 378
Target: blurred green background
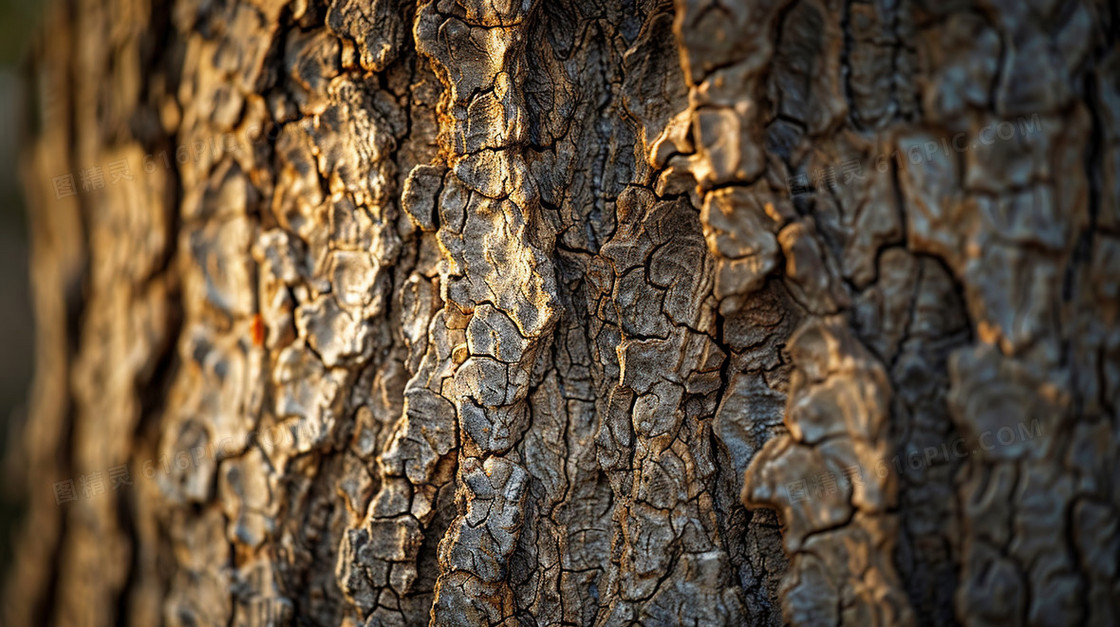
18, 20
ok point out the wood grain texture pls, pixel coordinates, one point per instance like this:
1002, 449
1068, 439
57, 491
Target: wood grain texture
535, 312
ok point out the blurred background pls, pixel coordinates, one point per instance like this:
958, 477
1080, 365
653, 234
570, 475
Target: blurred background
18, 20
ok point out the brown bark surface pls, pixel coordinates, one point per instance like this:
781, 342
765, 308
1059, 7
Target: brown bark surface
535, 312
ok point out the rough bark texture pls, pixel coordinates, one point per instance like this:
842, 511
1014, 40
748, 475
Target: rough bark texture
497, 312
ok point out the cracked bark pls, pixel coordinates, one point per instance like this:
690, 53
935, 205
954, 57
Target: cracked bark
503, 312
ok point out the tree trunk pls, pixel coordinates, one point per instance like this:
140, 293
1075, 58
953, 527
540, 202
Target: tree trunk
557, 311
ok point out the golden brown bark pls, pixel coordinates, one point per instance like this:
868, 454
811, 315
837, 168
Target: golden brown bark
463, 312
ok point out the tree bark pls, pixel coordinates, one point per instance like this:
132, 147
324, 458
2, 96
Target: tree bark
554, 311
